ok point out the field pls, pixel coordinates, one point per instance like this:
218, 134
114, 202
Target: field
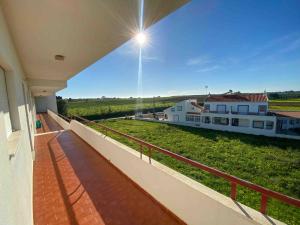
95, 109
272, 163
292, 104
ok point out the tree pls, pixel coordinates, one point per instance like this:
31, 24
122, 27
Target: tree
61, 106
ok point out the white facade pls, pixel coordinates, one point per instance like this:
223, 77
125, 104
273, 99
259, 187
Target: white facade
239, 107
178, 112
242, 117
286, 123
17, 118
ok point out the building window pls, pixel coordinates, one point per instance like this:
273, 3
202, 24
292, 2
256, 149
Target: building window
197, 119
189, 118
258, 124
220, 120
173, 109
262, 108
205, 119
243, 109
179, 108
206, 107
269, 125
235, 122
297, 121
292, 122
221, 108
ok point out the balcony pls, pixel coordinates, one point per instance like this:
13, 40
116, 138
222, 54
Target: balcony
74, 184
216, 112
240, 113
82, 176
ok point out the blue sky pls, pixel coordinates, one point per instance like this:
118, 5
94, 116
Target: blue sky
246, 46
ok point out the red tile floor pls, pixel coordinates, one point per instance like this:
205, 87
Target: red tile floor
48, 124
73, 184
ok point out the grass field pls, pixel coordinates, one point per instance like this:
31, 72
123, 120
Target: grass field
272, 163
94, 109
292, 104
114, 108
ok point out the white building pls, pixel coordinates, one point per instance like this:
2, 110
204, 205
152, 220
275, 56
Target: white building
245, 113
287, 121
181, 111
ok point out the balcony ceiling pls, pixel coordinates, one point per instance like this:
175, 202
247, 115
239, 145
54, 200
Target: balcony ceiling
82, 31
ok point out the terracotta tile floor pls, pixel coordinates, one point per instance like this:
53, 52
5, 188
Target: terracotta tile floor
48, 124
73, 184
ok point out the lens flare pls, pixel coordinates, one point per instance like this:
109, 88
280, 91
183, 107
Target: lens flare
141, 38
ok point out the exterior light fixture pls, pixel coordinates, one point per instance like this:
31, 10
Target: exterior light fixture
59, 57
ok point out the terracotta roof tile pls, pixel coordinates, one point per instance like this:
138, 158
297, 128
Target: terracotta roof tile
237, 98
294, 114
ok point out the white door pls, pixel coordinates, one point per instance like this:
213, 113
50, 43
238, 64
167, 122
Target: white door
4, 106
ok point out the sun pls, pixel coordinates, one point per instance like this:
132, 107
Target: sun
141, 38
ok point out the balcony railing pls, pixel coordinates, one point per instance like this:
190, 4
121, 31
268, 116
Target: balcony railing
218, 112
240, 113
234, 181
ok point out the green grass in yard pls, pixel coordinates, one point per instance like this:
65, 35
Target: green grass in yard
286, 100
284, 108
286, 105
272, 163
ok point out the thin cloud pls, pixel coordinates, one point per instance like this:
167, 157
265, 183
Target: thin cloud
151, 59
198, 61
294, 45
208, 69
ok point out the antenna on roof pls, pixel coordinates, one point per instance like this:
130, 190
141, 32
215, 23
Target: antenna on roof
206, 89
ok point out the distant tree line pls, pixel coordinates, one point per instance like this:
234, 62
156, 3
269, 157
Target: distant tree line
283, 95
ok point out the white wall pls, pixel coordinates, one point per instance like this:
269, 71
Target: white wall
186, 107
253, 106
242, 129
15, 148
64, 124
189, 200
42, 103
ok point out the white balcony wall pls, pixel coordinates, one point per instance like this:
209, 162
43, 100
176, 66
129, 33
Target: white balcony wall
63, 123
15, 142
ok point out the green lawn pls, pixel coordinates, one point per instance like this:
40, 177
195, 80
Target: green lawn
286, 100
286, 104
284, 108
272, 163
109, 108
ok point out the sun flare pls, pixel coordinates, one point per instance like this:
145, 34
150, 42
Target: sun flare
141, 38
